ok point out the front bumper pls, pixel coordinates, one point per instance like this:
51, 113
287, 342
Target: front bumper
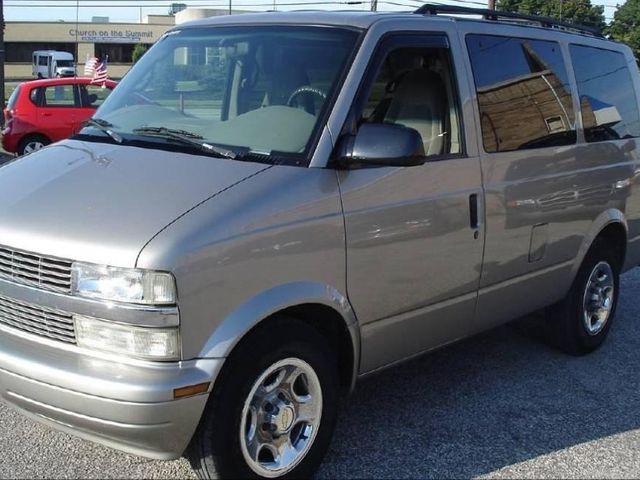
128, 405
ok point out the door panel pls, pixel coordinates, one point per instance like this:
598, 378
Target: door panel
413, 262
57, 111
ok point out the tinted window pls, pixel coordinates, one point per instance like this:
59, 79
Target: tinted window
523, 93
59, 96
23, 51
43, 61
607, 99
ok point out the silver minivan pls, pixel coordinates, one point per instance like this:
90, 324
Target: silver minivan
272, 206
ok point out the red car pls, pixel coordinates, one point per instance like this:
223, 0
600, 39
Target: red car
44, 111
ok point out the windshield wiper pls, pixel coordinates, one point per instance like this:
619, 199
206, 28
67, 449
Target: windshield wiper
105, 127
188, 138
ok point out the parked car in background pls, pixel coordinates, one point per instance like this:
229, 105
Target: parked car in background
51, 63
41, 112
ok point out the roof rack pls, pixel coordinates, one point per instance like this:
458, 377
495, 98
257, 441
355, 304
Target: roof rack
547, 22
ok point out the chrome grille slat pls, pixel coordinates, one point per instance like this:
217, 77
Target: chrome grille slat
42, 321
43, 329
35, 270
30, 314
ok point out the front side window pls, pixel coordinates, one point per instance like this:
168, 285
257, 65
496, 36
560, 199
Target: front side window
523, 93
414, 88
92, 96
253, 89
607, 97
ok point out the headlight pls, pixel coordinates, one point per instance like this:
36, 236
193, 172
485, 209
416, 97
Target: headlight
144, 342
130, 285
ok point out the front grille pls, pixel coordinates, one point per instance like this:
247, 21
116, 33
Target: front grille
45, 322
35, 270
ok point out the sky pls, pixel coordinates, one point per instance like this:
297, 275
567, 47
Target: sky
134, 10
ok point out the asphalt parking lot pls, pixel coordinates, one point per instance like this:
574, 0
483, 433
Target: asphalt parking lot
501, 405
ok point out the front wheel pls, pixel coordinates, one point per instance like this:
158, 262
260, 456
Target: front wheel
580, 323
272, 411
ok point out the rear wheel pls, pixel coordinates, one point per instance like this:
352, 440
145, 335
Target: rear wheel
31, 144
273, 409
580, 323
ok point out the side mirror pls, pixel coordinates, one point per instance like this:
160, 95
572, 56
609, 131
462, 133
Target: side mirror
383, 144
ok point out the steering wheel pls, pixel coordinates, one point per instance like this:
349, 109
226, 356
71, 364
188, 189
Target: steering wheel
305, 89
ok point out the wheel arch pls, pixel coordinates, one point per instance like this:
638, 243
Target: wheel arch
26, 136
610, 225
321, 306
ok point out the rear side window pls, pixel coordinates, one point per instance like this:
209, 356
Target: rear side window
607, 98
523, 93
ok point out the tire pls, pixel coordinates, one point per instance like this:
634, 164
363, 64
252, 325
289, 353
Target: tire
222, 443
570, 326
32, 143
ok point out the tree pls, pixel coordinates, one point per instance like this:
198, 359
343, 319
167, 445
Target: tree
571, 11
138, 51
625, 26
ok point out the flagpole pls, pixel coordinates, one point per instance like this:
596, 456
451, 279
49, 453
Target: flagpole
77, 55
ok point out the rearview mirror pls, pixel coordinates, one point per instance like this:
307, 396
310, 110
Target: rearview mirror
383, 144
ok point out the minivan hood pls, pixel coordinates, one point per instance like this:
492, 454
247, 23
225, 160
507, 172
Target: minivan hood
102, 203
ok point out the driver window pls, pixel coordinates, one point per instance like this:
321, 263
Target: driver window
414, 88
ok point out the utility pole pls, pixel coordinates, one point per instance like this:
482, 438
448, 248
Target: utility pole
492, 4
2, 59
374, 5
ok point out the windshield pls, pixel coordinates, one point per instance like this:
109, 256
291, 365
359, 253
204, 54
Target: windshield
259, 90
64, 63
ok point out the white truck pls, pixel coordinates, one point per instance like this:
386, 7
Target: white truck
52, 63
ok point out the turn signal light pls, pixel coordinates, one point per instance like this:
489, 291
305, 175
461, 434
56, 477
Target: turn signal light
191, 390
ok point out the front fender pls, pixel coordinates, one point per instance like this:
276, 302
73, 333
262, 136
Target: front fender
240, 321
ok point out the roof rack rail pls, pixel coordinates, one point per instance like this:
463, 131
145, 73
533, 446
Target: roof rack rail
547, 22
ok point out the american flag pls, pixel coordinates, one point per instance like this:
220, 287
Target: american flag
100, 73
90, 67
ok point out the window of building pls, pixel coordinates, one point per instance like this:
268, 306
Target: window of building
414, 88
523, 93
607, 98
22, 52
116, 52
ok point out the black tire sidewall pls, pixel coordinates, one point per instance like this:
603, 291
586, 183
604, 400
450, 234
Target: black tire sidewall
219, 430
31, 138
